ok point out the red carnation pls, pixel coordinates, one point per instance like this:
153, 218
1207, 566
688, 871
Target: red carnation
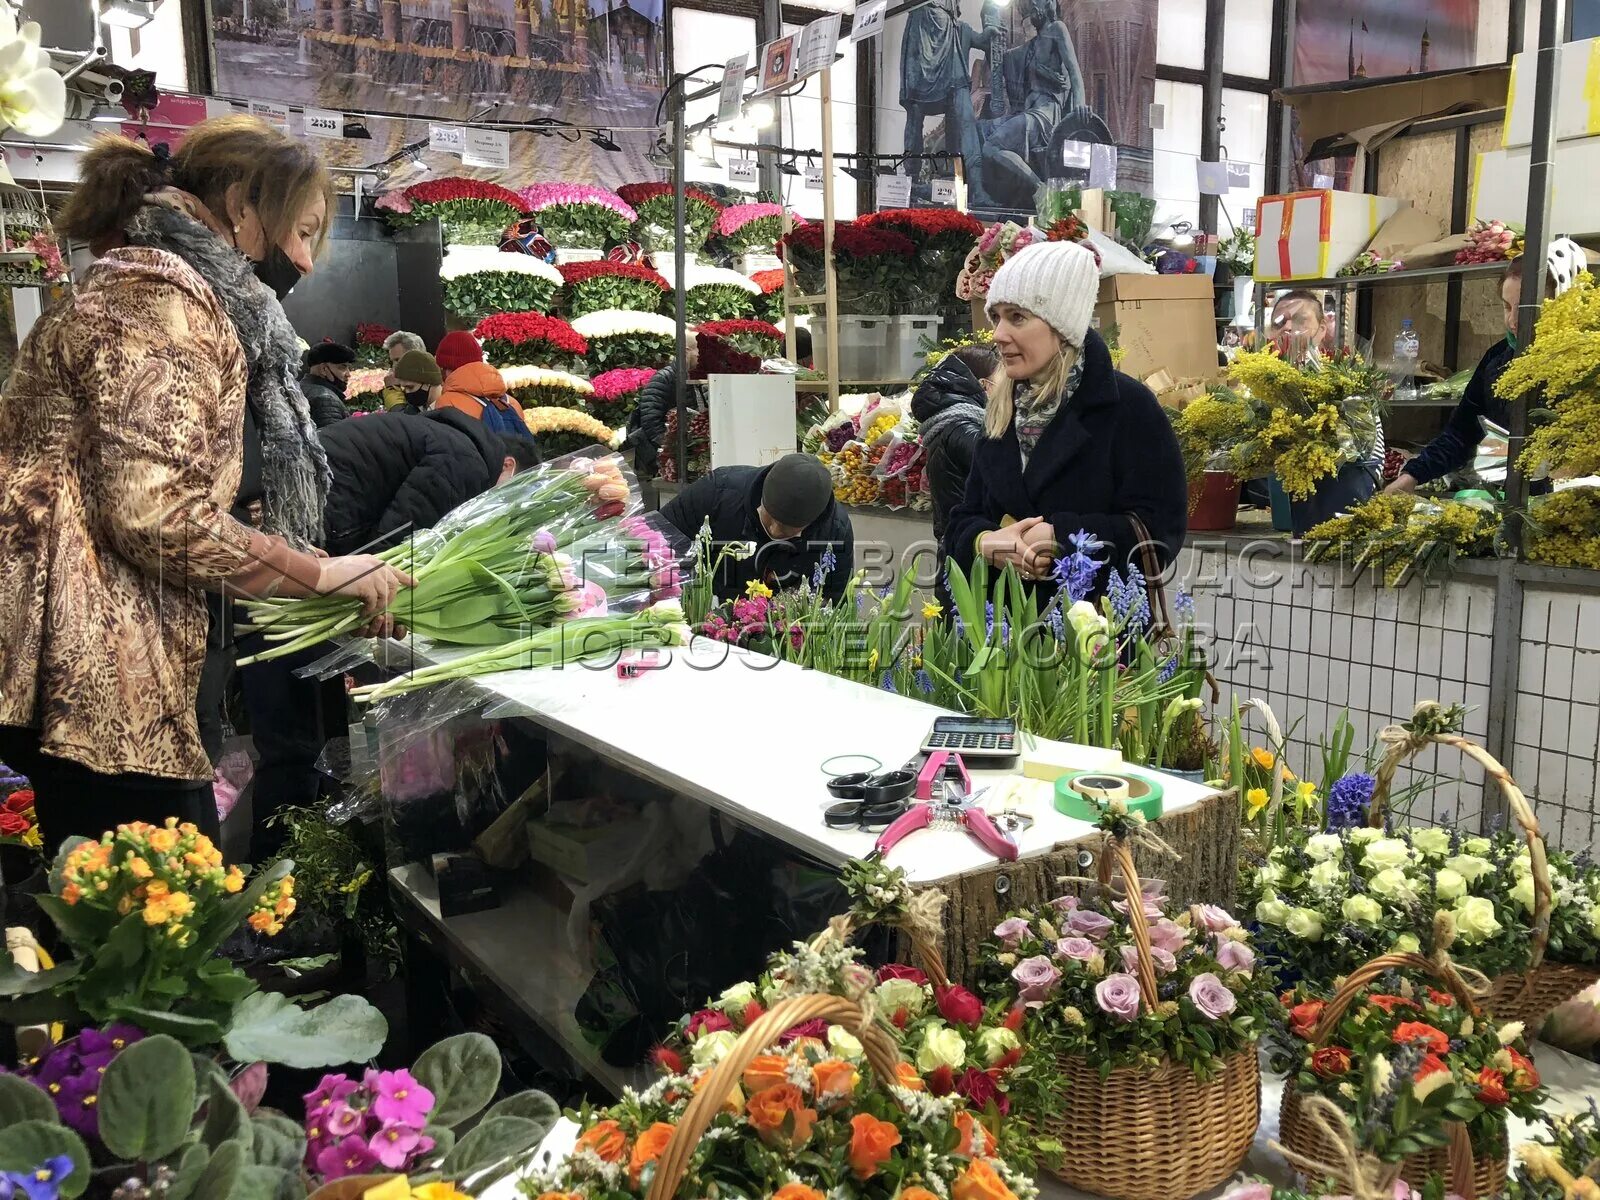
517, 328
978, 1089
901, 971
752, 1012
959, 1006
1492, 1087
708, 1020
578, 272
1331, 1061
668, 1060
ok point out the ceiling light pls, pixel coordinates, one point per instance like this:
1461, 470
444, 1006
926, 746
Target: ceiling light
788, 168
129, 14
760, 114
602, 139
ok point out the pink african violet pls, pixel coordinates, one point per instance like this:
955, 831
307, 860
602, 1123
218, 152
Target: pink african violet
396, 1145
737, 216
1118, 996
537, 196
397, 1096
349, 1156
1211, 996
341, 1121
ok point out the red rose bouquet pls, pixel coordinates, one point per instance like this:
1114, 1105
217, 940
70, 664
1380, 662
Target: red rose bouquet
752, 337
531, 340
19, 824
469, 210
597, 286
942, 238
657, 225
871, 264
370, 336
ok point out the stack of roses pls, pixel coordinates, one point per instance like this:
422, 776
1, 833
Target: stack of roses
537, 387
769, 305
942, 238
617, 338
756, 338
563, 430
750, 227
577, 215
699, 445
370, 336
1073, 968
479, 280
531, 340
656, 225
1328, 902
714, 293
598, 286
616, 392
871, 264
1404, 1060
470, 211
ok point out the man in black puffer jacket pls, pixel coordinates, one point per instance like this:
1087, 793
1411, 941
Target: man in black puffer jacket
948, 407
647, 427
393, 474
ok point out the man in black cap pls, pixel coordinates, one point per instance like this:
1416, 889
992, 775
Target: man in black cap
327, 367
786, 510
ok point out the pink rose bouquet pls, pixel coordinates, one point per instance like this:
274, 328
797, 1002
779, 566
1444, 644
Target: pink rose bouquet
751, 227
579, 215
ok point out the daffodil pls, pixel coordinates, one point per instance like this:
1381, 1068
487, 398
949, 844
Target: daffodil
756, 588
932, 610
1254, 801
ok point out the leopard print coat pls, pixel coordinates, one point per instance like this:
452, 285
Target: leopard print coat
120, 454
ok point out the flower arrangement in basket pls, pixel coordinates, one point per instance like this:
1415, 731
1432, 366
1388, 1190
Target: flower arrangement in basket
871, 264
563, 430
469, 211
779, 1110
606, 285
531, 340
616, 393
1401, 535
370, 337
1563, 1166
1307, 421
38, 260
482, 280
656, 226
1528, 919
617, 338
539, 387
1153, 1021
578, 215
750, 228
1415, 1069
714, 293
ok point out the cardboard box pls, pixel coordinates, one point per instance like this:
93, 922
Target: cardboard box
1577, 112
1163, 322
1311, 235
1500, 187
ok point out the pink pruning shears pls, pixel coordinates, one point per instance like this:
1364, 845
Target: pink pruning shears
947, 803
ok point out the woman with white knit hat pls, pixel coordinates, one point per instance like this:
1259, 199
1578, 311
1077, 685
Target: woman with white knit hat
1069, 442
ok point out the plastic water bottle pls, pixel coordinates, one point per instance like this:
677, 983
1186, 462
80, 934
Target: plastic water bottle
1407, 351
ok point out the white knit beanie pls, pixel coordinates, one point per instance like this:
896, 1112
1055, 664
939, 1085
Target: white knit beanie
1058, 281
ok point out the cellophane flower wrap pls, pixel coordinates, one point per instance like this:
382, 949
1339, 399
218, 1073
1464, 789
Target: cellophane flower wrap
483, 280
1405, 1060
531, 340
656, 226
1402, 535
601, 286
539, 387
750, 227
470, 211
616, 393
996, 244
1328, 902
578, 215
618, 338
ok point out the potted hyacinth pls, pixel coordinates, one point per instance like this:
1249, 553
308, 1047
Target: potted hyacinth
540, 387
531, 340
713, 294
481, 280
598, 286
578, 217
627, 339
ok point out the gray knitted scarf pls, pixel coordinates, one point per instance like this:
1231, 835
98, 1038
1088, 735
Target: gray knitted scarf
294, 469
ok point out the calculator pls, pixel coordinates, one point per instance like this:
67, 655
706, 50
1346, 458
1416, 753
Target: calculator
973, 737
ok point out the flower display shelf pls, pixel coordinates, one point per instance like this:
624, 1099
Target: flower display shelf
1162, 1133
1527, 996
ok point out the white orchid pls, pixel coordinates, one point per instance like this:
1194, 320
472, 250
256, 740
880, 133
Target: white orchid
33, 97
617, 322
478, 260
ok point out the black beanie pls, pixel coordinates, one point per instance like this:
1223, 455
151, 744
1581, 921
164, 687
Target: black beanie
797, 490
329, 352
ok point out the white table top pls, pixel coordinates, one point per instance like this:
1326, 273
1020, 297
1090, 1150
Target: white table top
747, 735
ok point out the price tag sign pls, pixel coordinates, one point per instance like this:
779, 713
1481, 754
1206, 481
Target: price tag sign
1103, 167
894, 191
1250, 219
944, 191
814, 179
1212, 177
868, 20
1238, 175
447, 139
487, 148
819, 42
324, 123
271, 112
742, 170
732, 96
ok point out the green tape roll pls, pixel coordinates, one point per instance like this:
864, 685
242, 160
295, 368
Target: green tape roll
1144, 795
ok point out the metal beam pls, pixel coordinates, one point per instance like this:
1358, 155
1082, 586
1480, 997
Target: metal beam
769, 27
1286, 163
1211, 105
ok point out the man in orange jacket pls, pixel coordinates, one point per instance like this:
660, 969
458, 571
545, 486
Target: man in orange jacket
473, 387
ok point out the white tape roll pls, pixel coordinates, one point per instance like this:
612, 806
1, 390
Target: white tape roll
1101, 787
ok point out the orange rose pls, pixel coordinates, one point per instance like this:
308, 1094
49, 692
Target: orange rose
607, 1140
651, 1144
803, 1046
556, 1195
908, 1077
872, 1142
834, 1079
916, 1193
798, 1191
733, 1103
765, 1071
973, 1140
1420, 1031
1524, 1075
980, 1182
776, 1110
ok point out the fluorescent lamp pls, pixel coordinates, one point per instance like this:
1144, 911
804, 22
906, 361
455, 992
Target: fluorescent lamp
129, 14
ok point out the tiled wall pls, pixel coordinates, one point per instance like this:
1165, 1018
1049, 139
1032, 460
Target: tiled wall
1558, 712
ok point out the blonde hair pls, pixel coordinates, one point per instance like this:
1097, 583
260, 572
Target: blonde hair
277, 175
1049, 382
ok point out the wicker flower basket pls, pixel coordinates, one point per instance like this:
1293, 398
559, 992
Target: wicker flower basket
1528, 996
881, 1053
1306, 1138
1160, 1134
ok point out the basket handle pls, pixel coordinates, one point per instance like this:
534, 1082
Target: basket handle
1145, 969
1358, 979
761, 1033
1404, 745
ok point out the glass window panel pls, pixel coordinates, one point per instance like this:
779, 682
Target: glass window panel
1181, 33
1247, 38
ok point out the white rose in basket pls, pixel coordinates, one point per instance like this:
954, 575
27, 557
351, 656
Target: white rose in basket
996, 1043
1327, 877
1477, 845
710, 1048
1406, 943
1475, 920
1363, 834
1305, 924
1522, 893
941, 1047
1272, 911
895, 994
737, 998
1449, 884
844, 1043
1392, 884
1433, 842
1385, 853
1362, 910
1324, 846
1470, 867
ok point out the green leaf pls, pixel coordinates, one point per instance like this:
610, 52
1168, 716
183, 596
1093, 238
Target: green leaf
23, 1101
444, 1140
217, 1181
270, 1028
278, 1141
190, 1167
530, 1106
41, 1010
191, 1031
226, 1120
256, 1182
140, 1120
14, 981
490, 1144
463, 1073
25, 1146
79, 924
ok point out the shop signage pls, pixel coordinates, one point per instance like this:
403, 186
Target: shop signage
894, 191
271, 112
732, 97
819, 42
324, 123
814, 179
944, 191
741, 170
487, 148
777, 63
868, 20
447, 139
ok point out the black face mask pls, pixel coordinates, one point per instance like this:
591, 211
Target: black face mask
278, 272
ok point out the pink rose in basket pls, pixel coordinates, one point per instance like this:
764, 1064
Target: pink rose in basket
1077, 948
1169, 936
1011, 931
1211, 996
1118, 996
1165, 963
1089, 924
1235, 956
1214, 919
1036, 978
